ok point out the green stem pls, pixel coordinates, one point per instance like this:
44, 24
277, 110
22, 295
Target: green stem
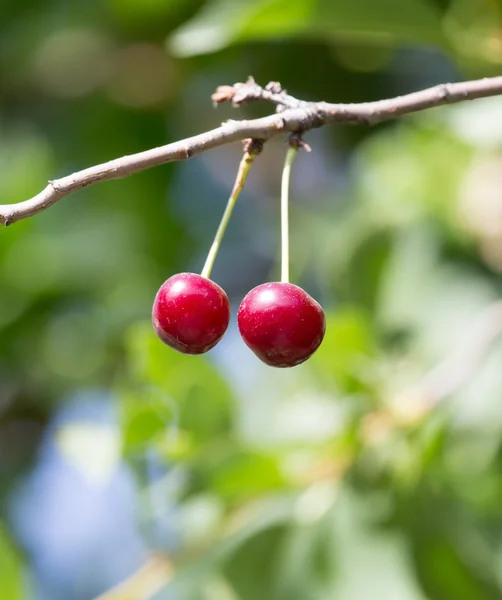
242, 173
286, 173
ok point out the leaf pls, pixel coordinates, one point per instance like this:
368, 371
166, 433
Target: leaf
10, 569
307, 562
172, 392
366, 269
251, 529
128, 10
445, 575
221, 23
452, 560
421, 179
245, 474
258, 554
348, 344
410, 20
473, 26
213, 28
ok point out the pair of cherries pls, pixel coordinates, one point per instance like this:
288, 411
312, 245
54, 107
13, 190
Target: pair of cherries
279, 321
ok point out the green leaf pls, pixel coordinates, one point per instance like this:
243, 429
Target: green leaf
221, 23
258, 554
415, 20
347, 346
245, 474
171, 391
257, 523
446, 575
307, 567
10, 569
24, 146
472, 27
146, 9
421, 179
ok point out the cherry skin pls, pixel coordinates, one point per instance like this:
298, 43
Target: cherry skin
281, 324
190, 313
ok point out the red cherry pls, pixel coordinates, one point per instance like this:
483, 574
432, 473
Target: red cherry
281, 324
190, 313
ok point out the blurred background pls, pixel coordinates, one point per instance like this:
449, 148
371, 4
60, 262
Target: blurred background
130, 472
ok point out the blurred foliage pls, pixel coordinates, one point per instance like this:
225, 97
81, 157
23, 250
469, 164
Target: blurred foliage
332, 480
10, 569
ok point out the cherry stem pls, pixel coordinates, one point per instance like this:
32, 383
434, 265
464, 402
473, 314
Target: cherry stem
286, 173
242, 173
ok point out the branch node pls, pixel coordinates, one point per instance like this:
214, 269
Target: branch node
239, 93
54, 185
280, 124
223, 93
444, 91
275, 87
253, 147
296, 141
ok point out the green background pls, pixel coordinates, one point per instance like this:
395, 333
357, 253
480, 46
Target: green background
335, 480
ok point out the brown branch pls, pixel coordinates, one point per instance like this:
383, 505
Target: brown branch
294, 116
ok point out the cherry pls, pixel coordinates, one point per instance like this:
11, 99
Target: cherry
190, 313
281, 324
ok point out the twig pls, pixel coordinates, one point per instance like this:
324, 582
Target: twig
144, 583
241, 93
294, 116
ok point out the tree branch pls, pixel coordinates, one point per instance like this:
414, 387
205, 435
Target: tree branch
292, 116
